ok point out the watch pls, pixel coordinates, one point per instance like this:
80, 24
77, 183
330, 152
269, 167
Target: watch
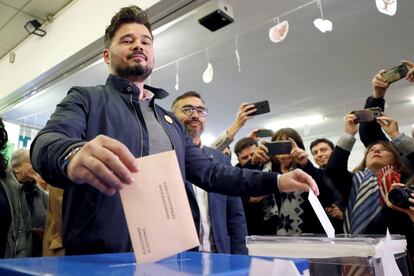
69, 157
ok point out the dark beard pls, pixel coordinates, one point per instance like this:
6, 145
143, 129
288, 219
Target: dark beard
193, 133
128, 72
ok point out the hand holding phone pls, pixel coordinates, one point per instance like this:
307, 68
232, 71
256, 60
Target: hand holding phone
261, 108
396, 73
262, 133
366, 115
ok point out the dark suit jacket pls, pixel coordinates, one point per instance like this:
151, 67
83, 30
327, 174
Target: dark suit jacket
228, 224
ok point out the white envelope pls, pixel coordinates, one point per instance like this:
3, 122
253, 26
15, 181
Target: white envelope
157, 211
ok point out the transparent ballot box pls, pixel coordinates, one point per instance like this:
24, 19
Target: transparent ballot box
342, 255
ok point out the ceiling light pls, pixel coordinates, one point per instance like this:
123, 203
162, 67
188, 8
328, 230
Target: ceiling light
296, 122
33, 27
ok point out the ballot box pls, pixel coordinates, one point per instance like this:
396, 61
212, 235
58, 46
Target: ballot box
342, 255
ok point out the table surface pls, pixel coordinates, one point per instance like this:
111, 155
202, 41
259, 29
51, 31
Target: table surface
187, 263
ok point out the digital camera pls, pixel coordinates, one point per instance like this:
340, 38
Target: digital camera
399, 197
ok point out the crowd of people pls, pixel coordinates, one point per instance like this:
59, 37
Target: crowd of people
87, 152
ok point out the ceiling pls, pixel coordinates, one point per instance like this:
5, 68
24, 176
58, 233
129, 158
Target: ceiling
14, 14
307, 73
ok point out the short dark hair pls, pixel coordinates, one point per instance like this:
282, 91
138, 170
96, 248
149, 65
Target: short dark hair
244, 143
131, 14
187, 94
321, 140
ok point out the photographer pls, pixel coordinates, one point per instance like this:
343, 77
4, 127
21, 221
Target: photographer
371, 132
365, 190
292, 212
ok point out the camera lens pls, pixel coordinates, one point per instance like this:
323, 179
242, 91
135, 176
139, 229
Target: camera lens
399, 197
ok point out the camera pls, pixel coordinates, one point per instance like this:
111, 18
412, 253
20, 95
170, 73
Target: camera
367, 115
396, 73
279, 147
215, 14
399, 197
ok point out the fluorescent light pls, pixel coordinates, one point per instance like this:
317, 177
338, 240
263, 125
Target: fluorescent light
295, 122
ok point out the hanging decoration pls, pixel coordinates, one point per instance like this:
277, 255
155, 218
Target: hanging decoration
236, 52
388, 7
208, 73
323, 25
177, 80
278, 32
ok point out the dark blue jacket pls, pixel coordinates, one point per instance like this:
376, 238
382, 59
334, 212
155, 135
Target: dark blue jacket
227, 219
93, 222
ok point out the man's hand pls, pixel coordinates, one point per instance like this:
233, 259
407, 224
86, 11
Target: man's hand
299, 155
260, 155
349, 124
253, 134
244, 114
104, 163
379, 85
389, 125
297, 180
410, 74
255, 199
334, 212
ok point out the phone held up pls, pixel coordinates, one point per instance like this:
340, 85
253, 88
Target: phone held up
396, 73
262, 107
262, 133
278, 147
366, 115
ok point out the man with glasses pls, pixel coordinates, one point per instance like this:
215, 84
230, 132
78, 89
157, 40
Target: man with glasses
219, 219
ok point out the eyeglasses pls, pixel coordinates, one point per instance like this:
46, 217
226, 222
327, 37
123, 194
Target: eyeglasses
189, 109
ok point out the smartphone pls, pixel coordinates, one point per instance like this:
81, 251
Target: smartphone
264, 133
367, 115
262, 107
396, 73
279, 147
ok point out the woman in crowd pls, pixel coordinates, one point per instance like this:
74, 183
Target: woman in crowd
365, 190
292, 210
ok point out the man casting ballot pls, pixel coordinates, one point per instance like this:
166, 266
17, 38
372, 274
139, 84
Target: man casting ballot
90, 145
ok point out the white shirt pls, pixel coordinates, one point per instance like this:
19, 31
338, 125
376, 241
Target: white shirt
206, 240
205, 236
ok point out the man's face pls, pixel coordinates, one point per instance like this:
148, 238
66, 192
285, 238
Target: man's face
321, 153
246, 154
193, 122
131, 53
24, 172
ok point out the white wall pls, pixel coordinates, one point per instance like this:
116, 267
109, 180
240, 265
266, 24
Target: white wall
77, 26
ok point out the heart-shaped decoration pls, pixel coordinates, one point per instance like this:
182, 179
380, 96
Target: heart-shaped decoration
208, 73
323, 25
279, 32
388, 7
